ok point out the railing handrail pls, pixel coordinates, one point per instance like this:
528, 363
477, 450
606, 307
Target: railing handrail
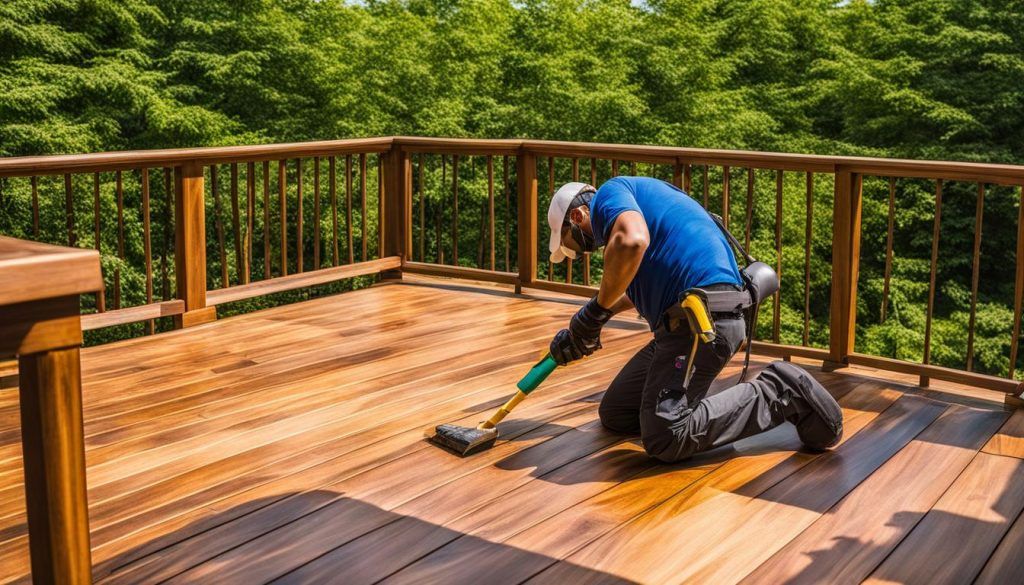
121, 160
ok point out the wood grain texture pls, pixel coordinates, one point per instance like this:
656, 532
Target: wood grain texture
65, 271
1009, 440
287, 445
953, 541
848, 542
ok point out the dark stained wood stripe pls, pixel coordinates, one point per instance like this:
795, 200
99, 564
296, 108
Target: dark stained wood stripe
952, 543
362, 202
847, 543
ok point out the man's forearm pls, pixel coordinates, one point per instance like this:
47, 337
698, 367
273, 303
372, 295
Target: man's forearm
621, 261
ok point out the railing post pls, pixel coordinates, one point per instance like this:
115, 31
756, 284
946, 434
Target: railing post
190, 245
526, 187
396, 221
846, 215
40, 325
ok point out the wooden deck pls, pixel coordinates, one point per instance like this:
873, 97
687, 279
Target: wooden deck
287, 446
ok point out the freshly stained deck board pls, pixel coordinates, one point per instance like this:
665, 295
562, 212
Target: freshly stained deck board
951, 544
288, 444
848, 542
1009, 440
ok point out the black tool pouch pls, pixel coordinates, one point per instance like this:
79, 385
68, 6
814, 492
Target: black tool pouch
759, 279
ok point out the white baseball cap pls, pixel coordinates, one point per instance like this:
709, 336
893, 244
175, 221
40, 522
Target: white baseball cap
556, 217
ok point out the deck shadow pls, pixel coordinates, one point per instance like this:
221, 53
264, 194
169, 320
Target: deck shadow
304, 550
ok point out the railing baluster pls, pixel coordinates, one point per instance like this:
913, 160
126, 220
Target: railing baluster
250, 222
381, 224
1018, 284
490, 204
35, 206
508, 214
282, 204
931, 280
593, 171
316, 213
707, 187
687, 178
267, 273
575, 178
69, 210
349, 233
236, 223
551, 186
147, 249
526, 201
440, 209
169, 205
362, 203
455, 210
632, 168
219, 226
423, 207
677, 175
750, 203
332, 188
119, 188
777, 301
979, 211
101, 300
725, 195
808, 236
888, 247
299, 243
615, 167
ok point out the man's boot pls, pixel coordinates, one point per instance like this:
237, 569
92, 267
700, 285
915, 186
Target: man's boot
805, 403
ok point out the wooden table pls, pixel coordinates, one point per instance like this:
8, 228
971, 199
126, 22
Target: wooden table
40, 325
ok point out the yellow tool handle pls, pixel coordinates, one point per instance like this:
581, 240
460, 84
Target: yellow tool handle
503, 411
697, 315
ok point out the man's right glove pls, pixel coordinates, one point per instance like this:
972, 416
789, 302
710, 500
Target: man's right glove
583, 337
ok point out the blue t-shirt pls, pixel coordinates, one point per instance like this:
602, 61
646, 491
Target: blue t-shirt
686, 248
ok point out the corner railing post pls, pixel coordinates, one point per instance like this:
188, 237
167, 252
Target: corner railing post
846, 215
526, 186
396, 222
190, 245
40, 326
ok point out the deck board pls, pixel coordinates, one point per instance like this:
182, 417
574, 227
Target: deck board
287, 445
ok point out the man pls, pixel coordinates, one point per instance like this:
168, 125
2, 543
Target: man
659, 243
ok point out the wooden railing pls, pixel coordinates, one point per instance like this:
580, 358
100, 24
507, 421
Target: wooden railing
39, 325
241, 222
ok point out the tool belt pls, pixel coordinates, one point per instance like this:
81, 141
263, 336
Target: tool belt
701, 305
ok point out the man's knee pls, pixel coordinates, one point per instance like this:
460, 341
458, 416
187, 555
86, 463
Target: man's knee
619, 420
667, 442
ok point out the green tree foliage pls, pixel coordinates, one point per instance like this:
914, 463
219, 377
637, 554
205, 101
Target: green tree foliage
932, 79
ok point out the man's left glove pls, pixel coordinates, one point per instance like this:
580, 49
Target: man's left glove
583, 337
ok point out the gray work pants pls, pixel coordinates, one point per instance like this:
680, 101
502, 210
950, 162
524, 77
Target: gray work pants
647, 397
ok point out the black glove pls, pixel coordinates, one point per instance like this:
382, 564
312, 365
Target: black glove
583, 337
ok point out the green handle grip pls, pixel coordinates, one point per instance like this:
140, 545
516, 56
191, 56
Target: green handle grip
537, 374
